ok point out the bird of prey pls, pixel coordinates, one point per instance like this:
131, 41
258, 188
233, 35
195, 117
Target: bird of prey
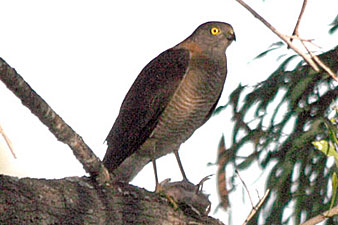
173, 95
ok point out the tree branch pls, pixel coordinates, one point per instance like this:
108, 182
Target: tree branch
286, 39
53, 121
75, 200
321, 217
295, 31
255, 208
280, 35
8, 142
320, 62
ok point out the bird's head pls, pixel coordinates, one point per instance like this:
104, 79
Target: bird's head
214, 36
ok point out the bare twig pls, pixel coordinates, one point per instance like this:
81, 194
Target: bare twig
304, 40
321, 63
325, 67
255, 209
282, 36
316, 59
258, 205
322, 216
301, 39
246, 188
295, 31
54, 122
8, 142
313, 61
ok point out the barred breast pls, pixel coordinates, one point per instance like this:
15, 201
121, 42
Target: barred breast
191, 104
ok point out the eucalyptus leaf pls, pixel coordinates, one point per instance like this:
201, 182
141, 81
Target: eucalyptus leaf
334, 189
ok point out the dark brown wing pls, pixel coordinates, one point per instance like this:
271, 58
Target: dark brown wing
143, 104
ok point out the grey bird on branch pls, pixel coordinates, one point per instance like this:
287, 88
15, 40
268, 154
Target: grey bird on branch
174, 95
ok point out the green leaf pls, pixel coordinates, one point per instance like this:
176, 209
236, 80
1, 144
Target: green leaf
334, 189
333, 29
322, 146
327, 148
332, 130
334, 25
272, 47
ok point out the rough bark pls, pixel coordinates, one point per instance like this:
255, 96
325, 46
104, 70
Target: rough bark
75, 200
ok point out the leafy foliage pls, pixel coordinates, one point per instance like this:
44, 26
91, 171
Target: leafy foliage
334, 25
272, 47
329, 148
296, 102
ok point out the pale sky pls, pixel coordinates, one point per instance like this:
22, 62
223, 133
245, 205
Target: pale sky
82, 57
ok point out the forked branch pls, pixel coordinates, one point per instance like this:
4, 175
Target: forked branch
310, 60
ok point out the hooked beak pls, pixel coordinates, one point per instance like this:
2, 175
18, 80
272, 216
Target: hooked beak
231, 36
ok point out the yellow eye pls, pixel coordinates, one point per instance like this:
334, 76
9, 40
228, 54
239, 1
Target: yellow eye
215, 31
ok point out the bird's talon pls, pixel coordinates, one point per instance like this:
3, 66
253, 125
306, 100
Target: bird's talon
159, 186
159, 189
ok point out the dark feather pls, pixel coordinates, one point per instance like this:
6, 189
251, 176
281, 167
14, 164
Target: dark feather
143, 104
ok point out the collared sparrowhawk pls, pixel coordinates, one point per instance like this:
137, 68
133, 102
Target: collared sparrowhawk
173, 95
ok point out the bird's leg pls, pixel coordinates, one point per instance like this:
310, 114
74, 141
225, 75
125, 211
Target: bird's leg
180, 165
157, 185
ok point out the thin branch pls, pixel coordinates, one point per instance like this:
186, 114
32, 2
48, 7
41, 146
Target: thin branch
246, 188
321, 63
54, 122
8, 142
255, 209
316, 59
304, 40
295, 31
301, 39
311, 61
282, 36
258, 205
321, 217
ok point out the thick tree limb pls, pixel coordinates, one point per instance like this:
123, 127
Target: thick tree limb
75, 200
53, 121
